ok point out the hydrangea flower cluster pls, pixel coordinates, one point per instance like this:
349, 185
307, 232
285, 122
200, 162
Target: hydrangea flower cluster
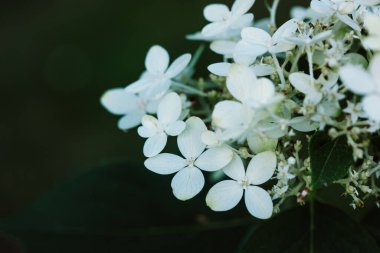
276, 85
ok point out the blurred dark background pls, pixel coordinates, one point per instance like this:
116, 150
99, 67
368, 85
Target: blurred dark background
57, 57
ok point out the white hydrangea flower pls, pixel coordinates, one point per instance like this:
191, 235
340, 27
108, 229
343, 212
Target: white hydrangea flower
236, 118
366, 84
227, 194
166, 123
133, 106
340, 8
301, 13
256, 42
189, 180
306, 85
372, 24
158, 77
227, 21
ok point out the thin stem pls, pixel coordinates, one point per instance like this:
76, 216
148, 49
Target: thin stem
294, 67
312, 223
279, 71
273, 12
188, 89
310, 61
197, 56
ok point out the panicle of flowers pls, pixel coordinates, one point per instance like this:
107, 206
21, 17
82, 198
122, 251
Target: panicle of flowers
246, 125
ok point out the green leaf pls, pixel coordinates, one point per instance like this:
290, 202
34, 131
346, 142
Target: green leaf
333, 232
123, 208
330, 159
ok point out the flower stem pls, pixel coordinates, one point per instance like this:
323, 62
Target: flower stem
312, 223
273, 12
188, 89
279, 71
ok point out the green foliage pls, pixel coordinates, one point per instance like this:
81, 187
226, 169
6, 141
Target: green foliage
330, 159
290, 232
124, 208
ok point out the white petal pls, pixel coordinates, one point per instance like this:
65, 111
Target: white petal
262, 92
214, 159
220, 69
189, 141
130, 120
165, 163
258, 202
285, 30
263, 70
150, 122
374, 69
371, 23
256, 36
119, 102
242, 21
371, 107
241, 6
169, 108
301, 82
372, 43
261, 167
303, 124
235, 169
155, 144
259, 143
158, 89
214, 29
146, 132
223, 47
175, 128
215, 12
157, 60
187, 183
228, 114
178, 65
321, 8
348, 21
140, 85
368, 2
357, 79
246, 53
210, 138
240, 82
224, 196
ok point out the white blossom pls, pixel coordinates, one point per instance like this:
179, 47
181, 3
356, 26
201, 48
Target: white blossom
365, 83
372, 24
256, 42
157, 79
227, 194
225, 21
189, 180
166, 123
132, 106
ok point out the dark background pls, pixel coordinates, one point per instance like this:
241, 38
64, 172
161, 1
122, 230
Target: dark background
57, 57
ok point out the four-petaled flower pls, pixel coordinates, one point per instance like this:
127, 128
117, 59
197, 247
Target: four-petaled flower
189, 180
227, 194
166, 123
367, 84
158, 77
224, 21
132, 106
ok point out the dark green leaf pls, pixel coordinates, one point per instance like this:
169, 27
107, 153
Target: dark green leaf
289, 232
123, 208
330, 159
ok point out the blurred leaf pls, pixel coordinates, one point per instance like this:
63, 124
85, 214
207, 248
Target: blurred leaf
372, 223
123, 208
289, 232
330, 159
